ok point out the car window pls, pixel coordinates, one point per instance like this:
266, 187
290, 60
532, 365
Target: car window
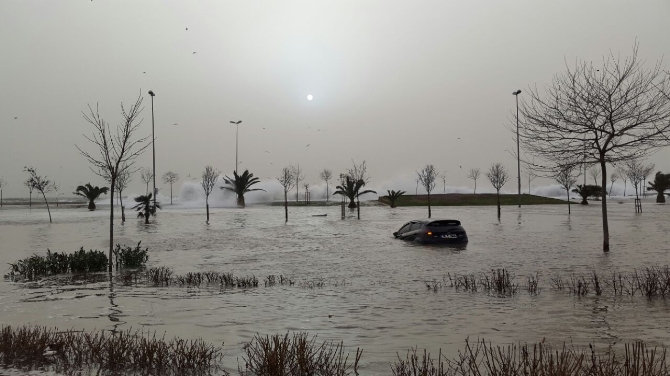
444, 223
415, 226
404, 228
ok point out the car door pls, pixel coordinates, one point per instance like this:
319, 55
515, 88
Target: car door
414, 229
403, 230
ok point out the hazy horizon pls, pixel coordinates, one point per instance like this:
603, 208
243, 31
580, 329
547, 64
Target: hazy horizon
398, 84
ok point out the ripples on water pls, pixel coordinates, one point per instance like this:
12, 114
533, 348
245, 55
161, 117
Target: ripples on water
374, 295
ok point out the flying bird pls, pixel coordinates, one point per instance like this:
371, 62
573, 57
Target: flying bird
193, 52
307, 145
460, 166
175, 124
16, 117
266, 151
187, 29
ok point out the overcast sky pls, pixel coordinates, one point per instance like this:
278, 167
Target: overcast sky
396, 83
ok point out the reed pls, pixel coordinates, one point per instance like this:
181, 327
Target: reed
280, 355
29, 347
539, 359
532, 284
499, 282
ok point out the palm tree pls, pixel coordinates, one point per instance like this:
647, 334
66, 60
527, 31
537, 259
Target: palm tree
660, 184
241, 185
91, 193
352, 190
587, 191
145, 207
393, 196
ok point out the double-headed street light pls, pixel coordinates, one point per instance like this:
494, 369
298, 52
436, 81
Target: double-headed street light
237, 128
518, 150
153, 142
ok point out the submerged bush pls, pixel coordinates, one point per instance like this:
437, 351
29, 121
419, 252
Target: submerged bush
130, 257
29, 347
88, 261
81, 261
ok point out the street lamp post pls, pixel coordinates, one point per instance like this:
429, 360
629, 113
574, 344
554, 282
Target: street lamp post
153, 142
518, 150
237, 128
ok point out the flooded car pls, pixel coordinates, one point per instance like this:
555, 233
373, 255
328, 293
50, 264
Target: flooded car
447, 231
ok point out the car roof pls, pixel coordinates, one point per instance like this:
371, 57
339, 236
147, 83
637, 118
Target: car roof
427, 221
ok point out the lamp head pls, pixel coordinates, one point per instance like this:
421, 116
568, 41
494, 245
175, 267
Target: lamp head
517, 92
235, 122
151, 93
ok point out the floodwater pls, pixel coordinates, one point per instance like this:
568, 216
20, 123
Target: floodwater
374, 297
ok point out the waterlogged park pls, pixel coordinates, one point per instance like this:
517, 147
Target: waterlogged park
231, 273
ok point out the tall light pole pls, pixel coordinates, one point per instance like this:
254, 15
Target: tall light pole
153, 142
237, 128
518, 150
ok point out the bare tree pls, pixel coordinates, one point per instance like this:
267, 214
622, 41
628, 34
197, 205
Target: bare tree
443, 176
474, 175
427, 177
645, 174
595, 174
498, 176
635, 173
566, 178
3, 184
621, 171
41, 183
613, 177
121, 184
146, 176
28, 184
306, 187
531, 177
116, 152
170, 178
209, 178
325, 175
297, 176
359, 172
286, 179
598, 114
56, 187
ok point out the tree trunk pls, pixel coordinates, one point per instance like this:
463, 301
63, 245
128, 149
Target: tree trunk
567, 191
285, 206
606, 230
611, 186
429, 205
123, 212
327, 194
296, 190
0, 198
31, 200
498, 194
111, 223
170, 193
240, 201
207, 208
91, 205
147, 214
660, 198
358, 209
625, 184
48, 210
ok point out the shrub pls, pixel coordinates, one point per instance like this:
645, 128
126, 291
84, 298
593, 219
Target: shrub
130, 257
88, 262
